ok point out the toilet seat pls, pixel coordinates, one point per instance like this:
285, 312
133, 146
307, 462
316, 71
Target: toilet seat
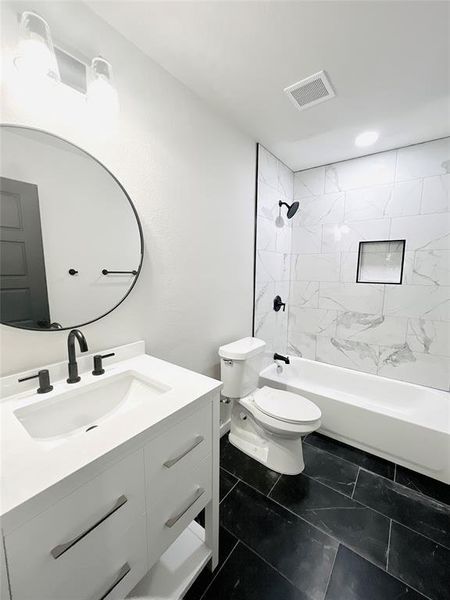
286, 406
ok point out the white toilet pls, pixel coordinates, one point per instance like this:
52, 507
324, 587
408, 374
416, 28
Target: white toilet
266, 423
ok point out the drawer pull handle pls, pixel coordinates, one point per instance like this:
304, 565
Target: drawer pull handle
124, 570
171, 522
61, 548
198, 440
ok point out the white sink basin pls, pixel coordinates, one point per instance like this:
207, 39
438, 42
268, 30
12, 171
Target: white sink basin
85, 408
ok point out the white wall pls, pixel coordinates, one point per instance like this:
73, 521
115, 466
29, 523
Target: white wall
191, 176
83, 214
396, 331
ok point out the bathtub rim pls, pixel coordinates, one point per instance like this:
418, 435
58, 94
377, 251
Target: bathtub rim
318, 390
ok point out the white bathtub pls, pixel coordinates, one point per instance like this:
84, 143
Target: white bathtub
405, 423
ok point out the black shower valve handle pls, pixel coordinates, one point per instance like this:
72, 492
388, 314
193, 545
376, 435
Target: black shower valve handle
278, 303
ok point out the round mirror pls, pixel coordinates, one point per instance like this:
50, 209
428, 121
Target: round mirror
71, 241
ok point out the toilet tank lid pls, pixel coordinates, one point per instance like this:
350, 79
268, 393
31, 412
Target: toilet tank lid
242, 349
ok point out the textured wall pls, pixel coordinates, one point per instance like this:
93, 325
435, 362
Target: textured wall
87, 190
397, 331
191, 176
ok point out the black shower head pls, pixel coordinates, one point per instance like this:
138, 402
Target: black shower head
292, 208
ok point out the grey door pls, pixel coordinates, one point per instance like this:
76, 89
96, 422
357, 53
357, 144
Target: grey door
23, 285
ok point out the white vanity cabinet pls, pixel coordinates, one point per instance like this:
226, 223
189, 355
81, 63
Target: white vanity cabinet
179, 482
100, 540
78, 545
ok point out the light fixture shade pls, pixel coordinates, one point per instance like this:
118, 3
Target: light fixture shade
101, 92
36, 56
366, 138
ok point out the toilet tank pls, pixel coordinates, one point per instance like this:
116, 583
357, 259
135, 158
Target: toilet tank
240, 365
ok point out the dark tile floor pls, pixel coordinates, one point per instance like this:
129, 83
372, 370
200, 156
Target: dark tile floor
350, 527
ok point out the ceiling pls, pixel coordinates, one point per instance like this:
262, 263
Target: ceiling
388, 63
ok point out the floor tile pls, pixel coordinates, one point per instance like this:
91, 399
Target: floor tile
421, 483
354, 578
227, 542
423, 514
358, 457
245, 576
227, 482
353, 524
251, 471
419, 562
298, 550
330, 470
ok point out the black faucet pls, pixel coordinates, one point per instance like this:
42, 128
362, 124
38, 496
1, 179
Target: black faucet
285, 359
73, 367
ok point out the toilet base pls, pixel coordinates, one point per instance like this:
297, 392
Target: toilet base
281, 454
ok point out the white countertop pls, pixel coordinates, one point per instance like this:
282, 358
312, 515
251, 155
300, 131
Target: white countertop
31, 466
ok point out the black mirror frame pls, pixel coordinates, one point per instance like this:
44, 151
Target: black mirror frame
141, 235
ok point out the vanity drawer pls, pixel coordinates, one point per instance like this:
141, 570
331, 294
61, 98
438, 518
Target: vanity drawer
70, 528
106, 567
178, 449
172, 509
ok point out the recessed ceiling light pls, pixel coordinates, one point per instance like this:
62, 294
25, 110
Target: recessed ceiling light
366, 138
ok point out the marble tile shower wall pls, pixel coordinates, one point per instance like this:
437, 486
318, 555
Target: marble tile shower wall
273, 250
397, 331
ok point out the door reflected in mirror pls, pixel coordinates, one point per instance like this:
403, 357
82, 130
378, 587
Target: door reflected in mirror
71, 242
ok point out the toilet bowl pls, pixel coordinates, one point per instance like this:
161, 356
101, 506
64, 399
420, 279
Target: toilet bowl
266, 423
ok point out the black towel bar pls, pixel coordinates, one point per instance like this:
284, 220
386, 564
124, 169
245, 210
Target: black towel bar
107, 272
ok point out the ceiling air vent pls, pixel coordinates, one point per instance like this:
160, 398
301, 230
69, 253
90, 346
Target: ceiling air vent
310, 91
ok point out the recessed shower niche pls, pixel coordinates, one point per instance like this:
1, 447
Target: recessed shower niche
381, 261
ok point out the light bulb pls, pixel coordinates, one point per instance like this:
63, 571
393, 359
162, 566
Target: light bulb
367, 138
102, 96
35, 54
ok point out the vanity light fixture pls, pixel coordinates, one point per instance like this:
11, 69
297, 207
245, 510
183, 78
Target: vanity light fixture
39, 60
35, 54
366, 138
101, 93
